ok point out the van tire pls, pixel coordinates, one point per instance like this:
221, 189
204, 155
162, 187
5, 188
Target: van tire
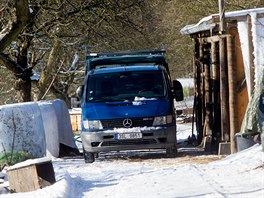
171, 151
88, 157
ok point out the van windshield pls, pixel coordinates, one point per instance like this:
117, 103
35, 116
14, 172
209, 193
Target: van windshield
122, 86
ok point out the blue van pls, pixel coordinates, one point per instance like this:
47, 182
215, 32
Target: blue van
128, 103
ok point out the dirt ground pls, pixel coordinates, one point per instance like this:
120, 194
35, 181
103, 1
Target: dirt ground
186, 155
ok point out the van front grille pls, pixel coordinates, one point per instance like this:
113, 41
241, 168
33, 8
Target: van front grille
118, 123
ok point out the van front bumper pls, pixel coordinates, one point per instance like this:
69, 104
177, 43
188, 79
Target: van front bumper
152, 138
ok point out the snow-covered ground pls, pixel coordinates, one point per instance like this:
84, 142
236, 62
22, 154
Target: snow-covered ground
151, 174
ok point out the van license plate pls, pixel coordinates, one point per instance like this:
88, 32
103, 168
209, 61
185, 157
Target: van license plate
124, 136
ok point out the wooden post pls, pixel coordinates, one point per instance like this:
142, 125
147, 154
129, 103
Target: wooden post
215, 88
232, 90
250, 55
208, 131
224, 91
202, 85
198, 108
221, 5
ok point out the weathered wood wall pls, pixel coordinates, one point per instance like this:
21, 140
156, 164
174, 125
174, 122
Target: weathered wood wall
220, 87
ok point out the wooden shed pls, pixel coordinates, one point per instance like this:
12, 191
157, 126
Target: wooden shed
228, 57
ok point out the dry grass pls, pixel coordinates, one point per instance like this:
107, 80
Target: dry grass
192, 155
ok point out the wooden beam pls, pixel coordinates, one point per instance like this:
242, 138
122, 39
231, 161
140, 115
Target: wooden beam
202, 85
232, 90
221, 4
207, 90
224, 92
215, 89
198, 85
250, 55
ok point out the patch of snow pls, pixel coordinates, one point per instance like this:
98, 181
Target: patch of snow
238, 175
29, 162
4, 31
35, 76
184, 131
186, 82
74, 111
74, 62
143, 98
187, 103
137, 103
133, 129
140, 100
2, 175
250, 158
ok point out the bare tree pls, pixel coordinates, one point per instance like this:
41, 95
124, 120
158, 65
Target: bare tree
19, 67
43, 30
44, 35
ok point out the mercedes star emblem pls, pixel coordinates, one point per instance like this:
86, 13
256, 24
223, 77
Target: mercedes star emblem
127, 123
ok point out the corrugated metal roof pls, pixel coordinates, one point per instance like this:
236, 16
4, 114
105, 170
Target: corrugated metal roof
208, 23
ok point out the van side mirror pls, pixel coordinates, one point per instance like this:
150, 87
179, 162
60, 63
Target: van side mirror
79, 92
178, 91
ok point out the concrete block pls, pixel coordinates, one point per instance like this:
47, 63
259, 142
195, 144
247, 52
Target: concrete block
224, 148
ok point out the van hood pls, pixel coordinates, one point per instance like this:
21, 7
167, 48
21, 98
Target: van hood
140, 107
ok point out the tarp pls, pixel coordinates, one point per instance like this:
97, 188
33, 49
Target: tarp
64, 123
21, 129
51, 128
253, 120
36, 127
258, 43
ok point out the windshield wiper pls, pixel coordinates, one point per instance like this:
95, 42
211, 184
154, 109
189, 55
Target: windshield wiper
106, 99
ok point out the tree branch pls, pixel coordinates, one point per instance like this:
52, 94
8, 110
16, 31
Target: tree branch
22, 15
10, 64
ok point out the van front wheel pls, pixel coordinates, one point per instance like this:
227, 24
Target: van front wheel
88, 157
171, 151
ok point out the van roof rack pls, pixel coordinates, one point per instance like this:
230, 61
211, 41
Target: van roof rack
128, 52
155, 56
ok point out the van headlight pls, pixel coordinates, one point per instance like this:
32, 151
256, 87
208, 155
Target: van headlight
162, 120
92, 125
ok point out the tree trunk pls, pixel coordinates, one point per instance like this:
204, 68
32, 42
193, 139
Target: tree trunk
46, 75
19, 68
23, 81
22, 15
23, 90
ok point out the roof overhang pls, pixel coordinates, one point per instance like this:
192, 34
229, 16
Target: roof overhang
210, 22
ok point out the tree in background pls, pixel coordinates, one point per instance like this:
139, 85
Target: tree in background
53, 34
12, 27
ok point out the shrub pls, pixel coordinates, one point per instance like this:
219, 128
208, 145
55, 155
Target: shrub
7, 158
